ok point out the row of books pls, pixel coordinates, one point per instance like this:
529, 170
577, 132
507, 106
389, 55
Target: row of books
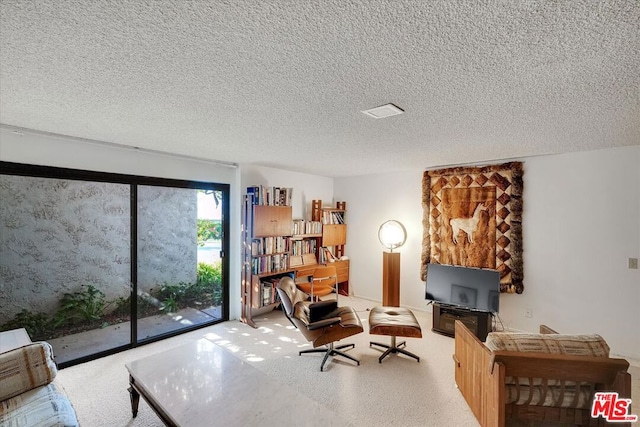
269, 264
300, 247
269, 245
301, 226
330, 217
271, 196
326, 255
268, 293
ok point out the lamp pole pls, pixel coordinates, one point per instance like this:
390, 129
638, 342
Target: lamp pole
392, 234
391, 279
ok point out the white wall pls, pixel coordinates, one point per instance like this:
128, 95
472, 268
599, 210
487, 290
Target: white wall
47, 150
581, 222
306, 187
372, 200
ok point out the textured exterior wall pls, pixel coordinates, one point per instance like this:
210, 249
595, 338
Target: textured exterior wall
167, 236
57, 235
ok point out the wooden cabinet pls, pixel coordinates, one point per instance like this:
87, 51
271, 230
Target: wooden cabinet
342, 270
334, 235
271, 221
266, 256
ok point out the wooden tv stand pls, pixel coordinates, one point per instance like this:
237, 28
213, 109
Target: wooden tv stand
445, 316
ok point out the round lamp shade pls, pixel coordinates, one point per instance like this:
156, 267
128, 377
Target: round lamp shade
392, 234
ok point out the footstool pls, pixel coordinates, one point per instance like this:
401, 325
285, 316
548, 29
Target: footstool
395, 322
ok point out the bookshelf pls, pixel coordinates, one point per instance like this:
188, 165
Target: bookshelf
267, 230
333, 240
305, 238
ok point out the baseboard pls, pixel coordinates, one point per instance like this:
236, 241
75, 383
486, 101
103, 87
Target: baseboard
426, 309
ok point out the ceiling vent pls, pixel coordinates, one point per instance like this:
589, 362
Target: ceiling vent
383, 111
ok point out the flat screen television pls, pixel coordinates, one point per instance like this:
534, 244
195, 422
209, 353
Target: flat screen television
472, 288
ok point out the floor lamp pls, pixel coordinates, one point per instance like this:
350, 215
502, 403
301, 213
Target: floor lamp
392, 235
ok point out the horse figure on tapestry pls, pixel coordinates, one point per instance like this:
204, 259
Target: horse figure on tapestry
468, 225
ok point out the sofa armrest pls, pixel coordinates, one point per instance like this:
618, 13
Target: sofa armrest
563, 367
26, 368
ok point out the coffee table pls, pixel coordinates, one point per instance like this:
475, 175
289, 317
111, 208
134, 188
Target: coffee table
203, 384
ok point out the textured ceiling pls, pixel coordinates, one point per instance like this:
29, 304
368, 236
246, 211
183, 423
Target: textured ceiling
283, 83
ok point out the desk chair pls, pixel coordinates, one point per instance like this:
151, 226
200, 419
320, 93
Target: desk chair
322, 282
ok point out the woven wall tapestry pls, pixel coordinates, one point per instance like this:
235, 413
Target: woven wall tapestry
472, 216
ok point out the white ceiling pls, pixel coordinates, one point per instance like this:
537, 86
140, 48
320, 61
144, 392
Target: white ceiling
283, 83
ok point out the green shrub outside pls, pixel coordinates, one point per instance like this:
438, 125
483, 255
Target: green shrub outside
210, 276
38, 325
89, 305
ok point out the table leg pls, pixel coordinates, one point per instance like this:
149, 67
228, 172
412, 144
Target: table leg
134, 396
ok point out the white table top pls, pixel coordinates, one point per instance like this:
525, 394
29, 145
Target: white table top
13, 339
203, 384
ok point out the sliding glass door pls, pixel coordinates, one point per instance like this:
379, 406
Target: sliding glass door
95, 263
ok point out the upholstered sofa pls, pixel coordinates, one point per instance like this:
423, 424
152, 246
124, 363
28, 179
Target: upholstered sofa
536, 379
28, 395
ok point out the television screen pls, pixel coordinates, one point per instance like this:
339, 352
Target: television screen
473, 288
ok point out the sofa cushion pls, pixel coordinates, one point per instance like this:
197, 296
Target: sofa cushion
574, 345
44, 406
541, 395
26, 368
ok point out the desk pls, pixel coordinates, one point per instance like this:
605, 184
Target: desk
14, 338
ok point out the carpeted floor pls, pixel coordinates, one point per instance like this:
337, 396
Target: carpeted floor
399, 391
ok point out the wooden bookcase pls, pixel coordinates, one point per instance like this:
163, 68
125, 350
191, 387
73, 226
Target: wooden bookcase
266, 255
305, 241
334, 239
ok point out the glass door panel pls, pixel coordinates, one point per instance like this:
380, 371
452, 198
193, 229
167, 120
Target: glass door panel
65, 263
178, 255
210, 239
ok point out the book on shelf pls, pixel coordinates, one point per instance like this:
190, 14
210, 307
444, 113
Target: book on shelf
269, 263
327, 255
270, 195
268, 292
330, 217
269, 245
301, 226
253, 192
301, 247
